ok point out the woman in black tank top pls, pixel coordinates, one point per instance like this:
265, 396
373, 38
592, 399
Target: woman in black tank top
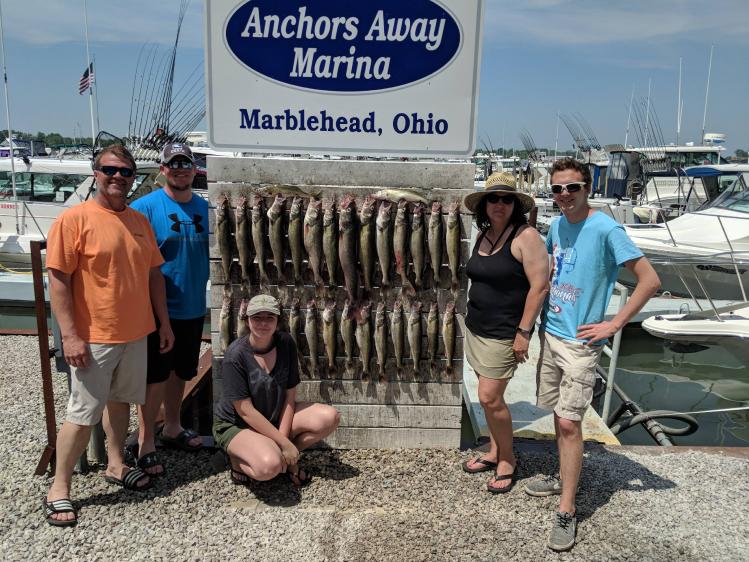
508, 270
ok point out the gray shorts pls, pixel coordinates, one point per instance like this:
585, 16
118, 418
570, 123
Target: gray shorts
566, 376
116, 372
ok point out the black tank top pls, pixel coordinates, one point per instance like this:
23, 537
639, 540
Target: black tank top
498, 290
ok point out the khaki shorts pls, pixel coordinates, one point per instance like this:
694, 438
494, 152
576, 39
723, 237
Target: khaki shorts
565, 376
493, 359
117, 373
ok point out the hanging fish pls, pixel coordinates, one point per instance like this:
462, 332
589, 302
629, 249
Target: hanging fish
347, 246
330, 241
244, 244
448, 335
330, 335
435, 241
414, 334
364, 338
295, 238
400, 245
348, 330
417, 244
313, 239
225, 317
295, 318
243, 329
310, 332
395, 195
381, 338
453, 244
275, 221
397, 333
383, 238
367, 241
258, 237
433, 333
223, 233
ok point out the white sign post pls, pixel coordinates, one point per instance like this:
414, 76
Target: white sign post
380, 78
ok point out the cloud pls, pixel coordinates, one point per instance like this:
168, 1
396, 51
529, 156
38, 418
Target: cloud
50, 22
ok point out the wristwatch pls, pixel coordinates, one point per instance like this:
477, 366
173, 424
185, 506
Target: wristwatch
526, 333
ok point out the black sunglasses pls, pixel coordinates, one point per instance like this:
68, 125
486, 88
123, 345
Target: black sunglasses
112, 170
572, 187
177, 164
495, 198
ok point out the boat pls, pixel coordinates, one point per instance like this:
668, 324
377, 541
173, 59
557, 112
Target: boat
704, 326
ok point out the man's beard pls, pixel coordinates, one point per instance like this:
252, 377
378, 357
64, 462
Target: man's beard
179, 188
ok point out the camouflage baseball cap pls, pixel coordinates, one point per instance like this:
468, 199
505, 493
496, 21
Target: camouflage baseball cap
263, 303
174, 149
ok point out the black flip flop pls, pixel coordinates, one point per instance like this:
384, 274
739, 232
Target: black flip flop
59, 506
512, 477
301, 481
150, 460
487, 465
239, 478
181, 441
130, 480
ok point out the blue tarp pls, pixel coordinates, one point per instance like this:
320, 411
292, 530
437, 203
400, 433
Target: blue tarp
703, 172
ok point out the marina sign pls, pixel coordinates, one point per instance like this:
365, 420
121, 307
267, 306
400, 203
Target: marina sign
384, 78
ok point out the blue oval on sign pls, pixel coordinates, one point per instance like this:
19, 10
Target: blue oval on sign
341, 46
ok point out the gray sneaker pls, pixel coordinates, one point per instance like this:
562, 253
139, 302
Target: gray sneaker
562, 536
544, 486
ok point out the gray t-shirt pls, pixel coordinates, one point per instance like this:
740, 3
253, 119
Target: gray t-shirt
244, 378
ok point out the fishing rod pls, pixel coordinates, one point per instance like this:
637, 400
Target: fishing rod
132, 94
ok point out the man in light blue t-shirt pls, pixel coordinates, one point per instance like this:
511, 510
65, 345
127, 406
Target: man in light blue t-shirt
586, 249
180, 222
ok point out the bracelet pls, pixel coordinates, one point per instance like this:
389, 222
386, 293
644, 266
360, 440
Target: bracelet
526, 333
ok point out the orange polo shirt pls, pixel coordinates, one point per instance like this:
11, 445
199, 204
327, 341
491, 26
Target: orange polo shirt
109, 255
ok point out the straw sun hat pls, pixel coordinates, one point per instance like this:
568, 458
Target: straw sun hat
502, 183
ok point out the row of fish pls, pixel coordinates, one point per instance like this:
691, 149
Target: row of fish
340, 239
356, 331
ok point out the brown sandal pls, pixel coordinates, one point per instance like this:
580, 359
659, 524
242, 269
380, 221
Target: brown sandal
486, 465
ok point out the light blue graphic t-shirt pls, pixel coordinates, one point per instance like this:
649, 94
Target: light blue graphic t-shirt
181, 231
586, 258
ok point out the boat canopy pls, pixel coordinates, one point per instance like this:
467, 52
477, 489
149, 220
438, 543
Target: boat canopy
720, 170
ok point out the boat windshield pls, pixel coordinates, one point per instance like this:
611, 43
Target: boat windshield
736, 197
41, 187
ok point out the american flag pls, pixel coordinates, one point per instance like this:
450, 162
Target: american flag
87, 79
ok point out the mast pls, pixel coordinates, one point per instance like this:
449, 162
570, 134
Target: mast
91, 82
707, 90
629, 115
678, 108
7, 116
647, 115
556, 140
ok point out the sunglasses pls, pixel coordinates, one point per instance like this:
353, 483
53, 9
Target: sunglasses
177, 164
572, 187
493, 198
112, 170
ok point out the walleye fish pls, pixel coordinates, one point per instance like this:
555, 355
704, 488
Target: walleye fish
417, 244
367, 241
395, 195
243, 330
414, 334
223, 233
313, 238
397, 333
330, 241
435, 241
384, 236
244, 244
275, 221
347, 246
400, 245
433, 333
448, 335
364, 337
226, 333
295, 238
295, 319
258, 237
288, 191
330, 334
348, 329
453, 244
381, 338
310, 332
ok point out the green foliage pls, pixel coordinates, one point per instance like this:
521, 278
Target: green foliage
52, 139
741, 153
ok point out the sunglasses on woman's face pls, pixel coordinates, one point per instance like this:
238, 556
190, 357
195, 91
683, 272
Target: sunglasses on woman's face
572, 187
494, 198
112, 170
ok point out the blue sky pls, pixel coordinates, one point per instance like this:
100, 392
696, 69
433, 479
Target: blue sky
539, 57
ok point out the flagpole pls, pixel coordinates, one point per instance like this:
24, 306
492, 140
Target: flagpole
91, 82
7, 116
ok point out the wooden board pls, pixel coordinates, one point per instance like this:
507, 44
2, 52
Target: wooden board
399, 415
393, 438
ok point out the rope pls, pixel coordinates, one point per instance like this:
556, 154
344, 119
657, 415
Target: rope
26, 270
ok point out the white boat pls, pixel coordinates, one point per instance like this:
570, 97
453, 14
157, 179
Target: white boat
45, 187
704, 326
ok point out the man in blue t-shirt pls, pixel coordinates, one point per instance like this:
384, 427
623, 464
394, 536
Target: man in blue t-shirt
586, 248
180, 222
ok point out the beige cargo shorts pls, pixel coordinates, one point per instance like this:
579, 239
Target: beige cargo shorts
565, 376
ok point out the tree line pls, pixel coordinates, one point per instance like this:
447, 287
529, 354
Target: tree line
51, 139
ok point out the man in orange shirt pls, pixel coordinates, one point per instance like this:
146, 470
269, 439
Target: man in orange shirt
101, 255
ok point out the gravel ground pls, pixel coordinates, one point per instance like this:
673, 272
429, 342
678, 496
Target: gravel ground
363, 505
